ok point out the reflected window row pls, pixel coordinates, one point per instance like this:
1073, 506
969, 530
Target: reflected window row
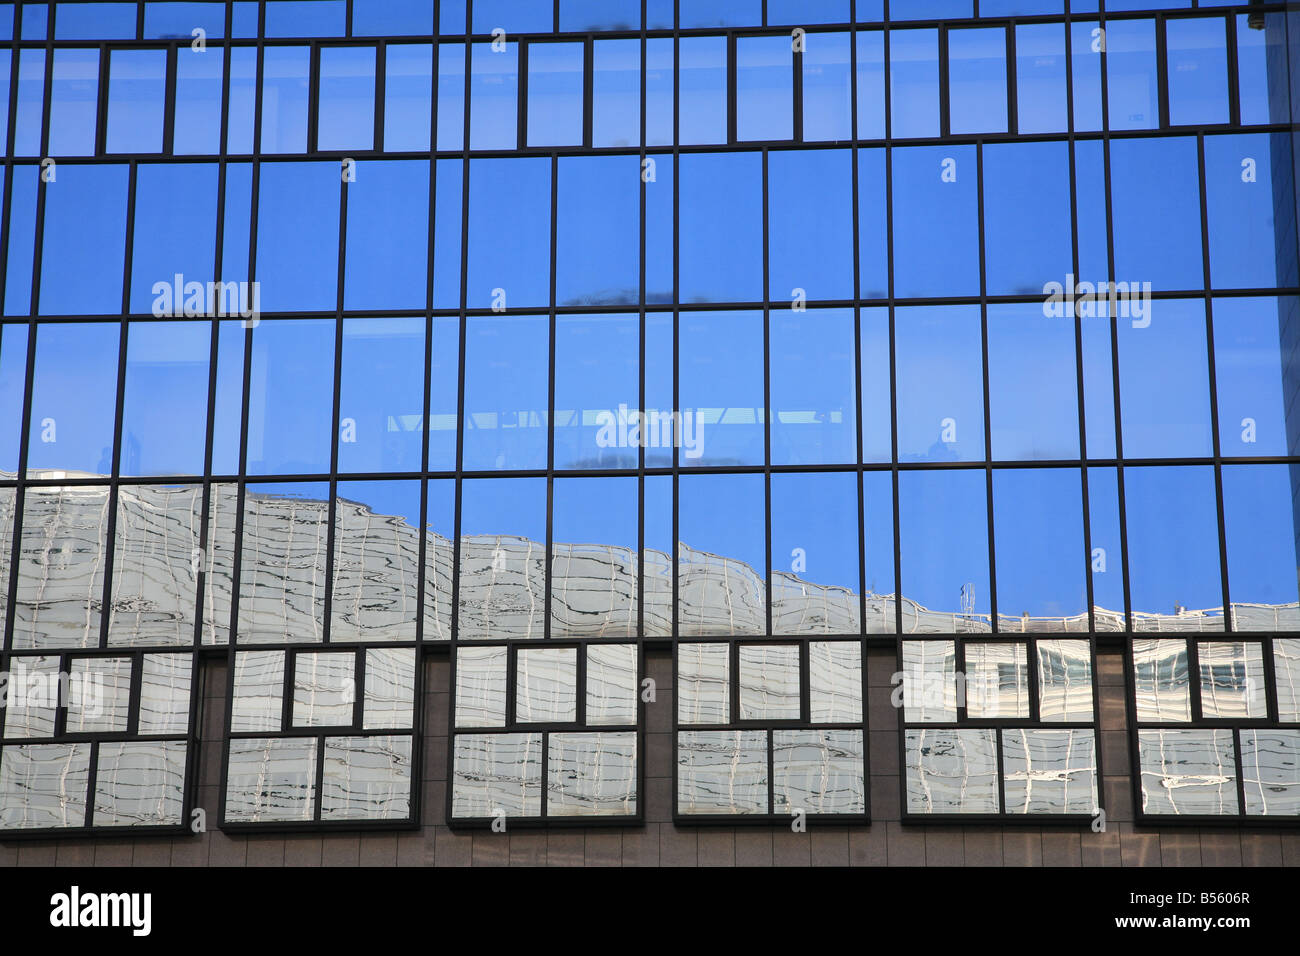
1177, 680
95, 741
998, 727
547, 93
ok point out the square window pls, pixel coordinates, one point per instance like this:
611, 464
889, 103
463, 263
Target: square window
546, 685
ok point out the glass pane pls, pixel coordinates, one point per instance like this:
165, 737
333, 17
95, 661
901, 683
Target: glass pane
598, 250
914, 82
977, 80
810, 263
940, 383
703, 683
172, 256
509, 268
616, 92
298, 237
285, 77
764, 88
720, 230
346, 113
481, 680
769, 682
597, 362
594, 558
74, 387
269, 779
324, 689
1232, 680
156, 565
720, 372
1040, 578
611, 684
835, 682
722, 570
258, 700
1027, 242
815, 554
1033, 390
1188, 772
140, 784
283, 560
137, 94
1157, 229
1164, 384
930, 681
290, 399
1260, 524
366, 778
556, 82
1161, 681
944, 551
81, 261
997, 681
1198, 70
506, 395
166, 399
591, 775
1269, 759
502, 558
496, 773
1133, 87
722, 772
936, 220
1040, 78
376, 561
1247, 179
1050, 771
828, 88
818, 771
494, 96
702, 90
951, 771
99, 695
381, 402
1173, 559
408, 89
74, 101
1064, 681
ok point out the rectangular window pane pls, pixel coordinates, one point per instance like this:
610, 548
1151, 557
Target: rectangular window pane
555, 94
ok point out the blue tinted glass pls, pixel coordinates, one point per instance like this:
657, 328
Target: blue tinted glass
721, 227
720, 368
35, 20
1033, 391
597, 397
781, 12
513, 16
512, 267
597, 241
914, 82
243, 15
167, 21
1132, 87
815, 554
452, 16
94, 21
74, 102
387, 262
1198, 70
871, 84
503, 538
660, 78
226, 415
137, 94
30, 107
392, 18
1040, 577
1173, 546
22, 241
930, 9
408, 91
1251, 373
346, 116
555, 94
1157, 222
74, 404
284, 98
616, 93
1106, 554
977, 80
936, 220
877, 411
873, 223
237, 227
506, 396
243, 99
1246, 177
1164, 383
814, 401
600, 14
306, 18
13, 378
720, 526
451, 96
764, 88
81, 260
381, 395
702, 87
494, 96
198, 101
1026, 216
1260, 524
1041, 92
660, 222
1256, 48
298, 236
444, 394
879, 551
291, 397
1090, 201
447, 234
657, 555
1085, 50
165, 404
1016, 8
172, 251
659, 389
807, 259
940, 383
721, 13
944, 551
1098, 384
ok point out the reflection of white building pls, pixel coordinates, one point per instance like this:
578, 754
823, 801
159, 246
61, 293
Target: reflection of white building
502, 587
